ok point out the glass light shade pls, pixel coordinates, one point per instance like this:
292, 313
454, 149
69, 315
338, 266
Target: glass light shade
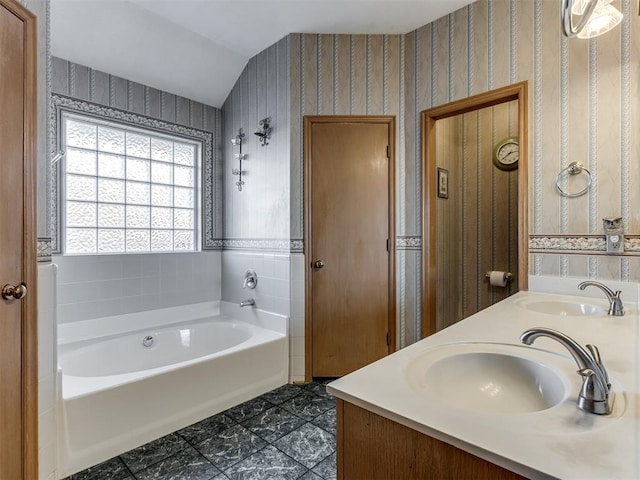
579, 6
603, 19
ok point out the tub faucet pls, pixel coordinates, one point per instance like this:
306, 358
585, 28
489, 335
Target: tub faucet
250, 279
250, 302
615, 303
594, 394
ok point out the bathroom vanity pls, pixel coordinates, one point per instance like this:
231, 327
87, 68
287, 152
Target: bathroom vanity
472, 401
373, 447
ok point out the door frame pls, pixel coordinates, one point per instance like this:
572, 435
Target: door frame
516, 91
309, 121
29, 257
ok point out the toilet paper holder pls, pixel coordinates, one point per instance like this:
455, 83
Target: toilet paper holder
508, 276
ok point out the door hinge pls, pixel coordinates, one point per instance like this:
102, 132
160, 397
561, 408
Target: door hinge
387, 244
388, 338
388, 153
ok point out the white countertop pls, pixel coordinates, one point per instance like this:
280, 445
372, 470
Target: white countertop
560, 442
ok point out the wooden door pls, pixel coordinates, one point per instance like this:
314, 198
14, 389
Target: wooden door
18, 359
349, 192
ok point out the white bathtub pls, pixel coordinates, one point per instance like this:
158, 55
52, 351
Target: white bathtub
116, 393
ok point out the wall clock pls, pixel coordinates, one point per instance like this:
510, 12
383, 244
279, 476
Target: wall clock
506, 154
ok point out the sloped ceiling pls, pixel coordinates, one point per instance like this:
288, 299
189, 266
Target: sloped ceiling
198, 48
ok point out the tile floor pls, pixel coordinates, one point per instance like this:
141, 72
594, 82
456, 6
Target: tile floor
288, 433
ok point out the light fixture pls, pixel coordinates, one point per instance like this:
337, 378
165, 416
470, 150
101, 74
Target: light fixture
237, 142
603, 19
264, 131
596, 17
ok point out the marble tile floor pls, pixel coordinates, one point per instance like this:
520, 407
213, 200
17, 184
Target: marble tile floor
288, 434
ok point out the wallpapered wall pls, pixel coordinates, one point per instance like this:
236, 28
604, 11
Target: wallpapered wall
313, 74
583, 106
359, 75
477, 224
258, 216
83, 83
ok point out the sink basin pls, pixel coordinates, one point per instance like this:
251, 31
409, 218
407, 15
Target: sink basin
563, 308
489, 378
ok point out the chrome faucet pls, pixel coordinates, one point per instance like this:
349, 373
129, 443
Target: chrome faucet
250, 279
250, 302
615, 303
594, 394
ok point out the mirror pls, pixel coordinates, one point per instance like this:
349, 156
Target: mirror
474, 197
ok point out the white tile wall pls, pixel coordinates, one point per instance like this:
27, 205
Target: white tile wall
47, 361
106, 285
296, 321
272, 291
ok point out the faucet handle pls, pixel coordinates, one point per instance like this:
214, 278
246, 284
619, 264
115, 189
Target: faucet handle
595, 353
250, 279
615, 307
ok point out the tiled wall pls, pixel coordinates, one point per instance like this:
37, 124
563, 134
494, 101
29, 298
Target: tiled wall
296, 319
93, 286
271, 292
47, 366
280, 284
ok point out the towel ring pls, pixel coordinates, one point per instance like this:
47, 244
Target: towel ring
574, 168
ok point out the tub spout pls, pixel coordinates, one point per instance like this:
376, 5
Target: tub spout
250, 302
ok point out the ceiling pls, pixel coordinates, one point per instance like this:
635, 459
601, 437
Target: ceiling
198, 48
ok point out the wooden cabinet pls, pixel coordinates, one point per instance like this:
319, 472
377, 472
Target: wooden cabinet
372, 447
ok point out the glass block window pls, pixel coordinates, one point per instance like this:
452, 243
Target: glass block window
127, 190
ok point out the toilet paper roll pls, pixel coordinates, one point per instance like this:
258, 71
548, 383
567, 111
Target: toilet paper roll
498, 279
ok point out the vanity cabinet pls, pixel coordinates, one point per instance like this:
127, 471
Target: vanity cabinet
372, 447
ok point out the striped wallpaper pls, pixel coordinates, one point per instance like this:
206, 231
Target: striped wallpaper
360, 75
79, 82
477, 225
584, 105
261, 210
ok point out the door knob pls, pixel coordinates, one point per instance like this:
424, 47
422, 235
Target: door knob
318, 264
10, 292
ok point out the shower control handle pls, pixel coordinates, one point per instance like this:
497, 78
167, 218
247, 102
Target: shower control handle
11, 292
318, 264
250, 279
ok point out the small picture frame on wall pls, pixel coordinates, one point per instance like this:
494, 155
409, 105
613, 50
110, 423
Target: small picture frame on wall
443, 183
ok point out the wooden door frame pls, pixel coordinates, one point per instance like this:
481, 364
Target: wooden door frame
309, 121
518, 92
29, 257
